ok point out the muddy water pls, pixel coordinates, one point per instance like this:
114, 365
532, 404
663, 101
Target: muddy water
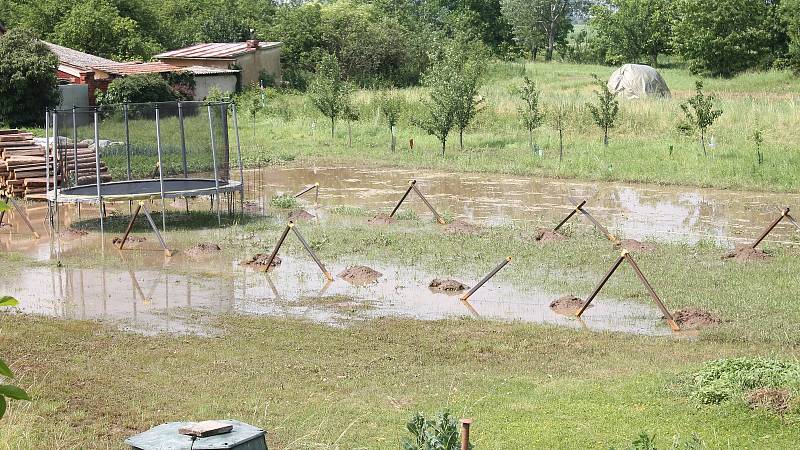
152, 301
636, 211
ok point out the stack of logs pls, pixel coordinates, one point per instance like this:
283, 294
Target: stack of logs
22, 164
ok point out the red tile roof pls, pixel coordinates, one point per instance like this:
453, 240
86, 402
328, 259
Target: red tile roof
215, 50
158, 67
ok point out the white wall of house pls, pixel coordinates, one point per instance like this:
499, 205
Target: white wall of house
204, 83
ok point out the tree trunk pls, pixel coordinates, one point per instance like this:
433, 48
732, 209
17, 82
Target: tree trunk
333, 126
530, 139
461, 138
394, 139
444, 143
534, 52
551, 43
703, 142
605, 136
560, 145
349, 134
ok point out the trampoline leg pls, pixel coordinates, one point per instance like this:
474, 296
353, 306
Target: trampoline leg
22, 215
167, 251
130, 225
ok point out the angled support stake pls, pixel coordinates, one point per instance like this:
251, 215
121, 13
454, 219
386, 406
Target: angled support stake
412, 185
293, 228
21, 213
569, 216
314, 186
768, 230
141, 207
494, 271
626, 256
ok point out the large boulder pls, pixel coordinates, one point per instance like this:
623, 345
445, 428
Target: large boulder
638, 81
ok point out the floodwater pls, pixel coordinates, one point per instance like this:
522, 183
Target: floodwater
634, 211
153, 300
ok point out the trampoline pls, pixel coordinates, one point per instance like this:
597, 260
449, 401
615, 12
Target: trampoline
141, 152
144, 190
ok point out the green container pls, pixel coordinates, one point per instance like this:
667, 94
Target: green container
166, 437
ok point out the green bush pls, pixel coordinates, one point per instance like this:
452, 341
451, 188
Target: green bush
28, 81
284, 201
139, 88
438, 433
726, 379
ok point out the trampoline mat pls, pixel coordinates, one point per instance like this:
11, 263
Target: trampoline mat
150, 188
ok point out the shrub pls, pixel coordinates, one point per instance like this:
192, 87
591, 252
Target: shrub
283, 201
139, 88
438, 433
28, 81
726, 379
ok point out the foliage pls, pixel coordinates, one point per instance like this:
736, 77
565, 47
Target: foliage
605, 112
559, 116
391, 104
724, 37
437, 433
632, 31
96, 27
530, 112
453, 79
540, 23
790, 15
328, 92
138, 88
699, 113
28, 81
284, 201
728, 379
8, 391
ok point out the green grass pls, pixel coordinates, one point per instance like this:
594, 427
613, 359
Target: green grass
640, 144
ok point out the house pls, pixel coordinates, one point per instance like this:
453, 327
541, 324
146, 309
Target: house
82, 74
252, 58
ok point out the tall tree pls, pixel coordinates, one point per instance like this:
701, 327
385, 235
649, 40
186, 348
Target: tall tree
700, 113
28, 82
545, 22
632, 31
723, 37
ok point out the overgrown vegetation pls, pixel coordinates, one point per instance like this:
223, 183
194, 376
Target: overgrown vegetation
440, 432
27, 67
725, 380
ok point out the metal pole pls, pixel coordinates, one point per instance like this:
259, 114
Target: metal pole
55, 167
313, 186
652, 292
183, 141
127, 137
597, 225
486, 278
411, 184
75, 144
569, 216
425, 200
160, 172
239, 156
130, 225
602, 283
278, 245
47, 165
770, 228
311, 252
96, 166
214, 160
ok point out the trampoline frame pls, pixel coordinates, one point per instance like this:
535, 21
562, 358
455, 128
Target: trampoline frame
215, 186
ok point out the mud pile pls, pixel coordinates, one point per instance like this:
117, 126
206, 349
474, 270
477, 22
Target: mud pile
547, 235
382, 219
695, 318
634, 246
441, 285
360, 275
463, 227
568, 304
203, 249
259, 262
71, 233
746, 254
132, 241
300, 215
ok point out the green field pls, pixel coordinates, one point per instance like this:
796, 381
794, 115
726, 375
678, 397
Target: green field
639, 150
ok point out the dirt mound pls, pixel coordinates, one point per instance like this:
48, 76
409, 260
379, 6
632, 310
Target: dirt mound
568, 304
775, 400
71, 233
462, 226
203, 249
360, 275
746, 254
447, 285
695, 318
259, 262
382, 219
632, 245
132, 241
546, 235
300, 215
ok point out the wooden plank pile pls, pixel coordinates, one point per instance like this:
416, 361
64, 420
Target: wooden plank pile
22, 164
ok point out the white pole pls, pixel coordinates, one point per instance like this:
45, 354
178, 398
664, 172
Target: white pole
96, 167
161, 172
214, 160
239, 156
